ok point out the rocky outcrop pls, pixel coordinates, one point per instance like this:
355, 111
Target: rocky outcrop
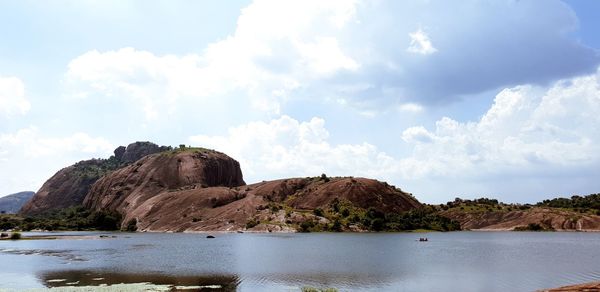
546, 218
137, 150
125, 189
230, 209
12, 203
69, 186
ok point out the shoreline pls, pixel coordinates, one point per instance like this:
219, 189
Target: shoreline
111, 234
591, 286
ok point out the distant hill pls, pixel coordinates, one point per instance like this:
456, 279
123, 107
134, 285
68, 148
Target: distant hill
561, 214
12, 203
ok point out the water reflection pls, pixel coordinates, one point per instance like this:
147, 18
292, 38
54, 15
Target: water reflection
96, 278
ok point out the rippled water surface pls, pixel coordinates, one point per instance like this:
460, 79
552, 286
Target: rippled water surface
456, 261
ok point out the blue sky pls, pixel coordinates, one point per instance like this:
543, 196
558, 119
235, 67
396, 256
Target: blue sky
442, 99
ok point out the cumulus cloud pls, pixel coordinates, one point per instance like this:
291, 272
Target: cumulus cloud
527, 130
12, 96
285, 147
272, 53
28, 157
368, 52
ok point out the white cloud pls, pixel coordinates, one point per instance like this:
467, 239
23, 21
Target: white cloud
285, 147
283, 50
12, 96
420, 43
28, 157
273, 52
538, 138
528, 130
417, 135
411, 108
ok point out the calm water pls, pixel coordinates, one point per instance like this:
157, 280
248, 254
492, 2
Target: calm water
457, 261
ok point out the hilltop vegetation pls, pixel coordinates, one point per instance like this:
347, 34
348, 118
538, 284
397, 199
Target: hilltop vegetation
343, 215
480, 205
582, 204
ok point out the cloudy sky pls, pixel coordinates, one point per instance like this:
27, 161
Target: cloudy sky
441, 98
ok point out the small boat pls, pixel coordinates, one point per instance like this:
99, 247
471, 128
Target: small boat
210, 236
423, 239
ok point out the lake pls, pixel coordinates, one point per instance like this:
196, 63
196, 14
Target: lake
454, 261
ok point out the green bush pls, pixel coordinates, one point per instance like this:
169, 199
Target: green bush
131, 225
533, 227
318, 212
306, 226
15, 236
251, 223
336, 226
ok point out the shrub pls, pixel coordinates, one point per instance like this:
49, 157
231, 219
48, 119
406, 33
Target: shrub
106, 220
336, 226
274, 208
532, 227
345, 213
15, 235
377, 224
318, 212
251, 223
131, 225
306, 226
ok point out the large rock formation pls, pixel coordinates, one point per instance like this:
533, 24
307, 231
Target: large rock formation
124, 189
230, 209
12, 203
196, 189
69, 186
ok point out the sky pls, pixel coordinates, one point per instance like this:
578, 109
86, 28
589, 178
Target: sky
442, 99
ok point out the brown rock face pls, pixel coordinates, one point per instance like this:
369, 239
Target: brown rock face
556, 219
70, 185
126, 188
66, 188
229, 209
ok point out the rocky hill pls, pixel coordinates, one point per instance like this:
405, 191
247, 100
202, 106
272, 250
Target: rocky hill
125, 189
12, 203
485, 214
281, 205
153, 188
69, 186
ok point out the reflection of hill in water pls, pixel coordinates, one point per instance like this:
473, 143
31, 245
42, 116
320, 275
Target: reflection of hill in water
95, 278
